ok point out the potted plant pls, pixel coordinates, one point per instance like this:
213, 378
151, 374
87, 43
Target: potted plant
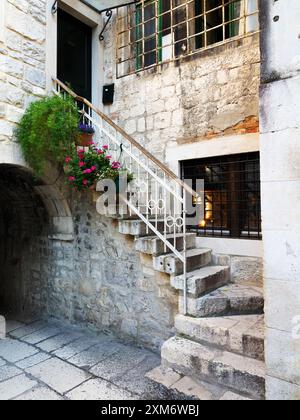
47, 131
85, 137
85, 167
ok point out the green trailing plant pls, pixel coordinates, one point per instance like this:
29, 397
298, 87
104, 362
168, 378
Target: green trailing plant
47, 131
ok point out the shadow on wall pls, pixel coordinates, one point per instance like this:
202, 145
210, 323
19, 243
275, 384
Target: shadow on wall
26, 226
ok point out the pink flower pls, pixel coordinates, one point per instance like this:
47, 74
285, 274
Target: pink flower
108, 157
71, 178
116, 165
81, 152
81, 164
87, 171
68, 159
85, 182
91, 143
93, 168
105, 147
100, 152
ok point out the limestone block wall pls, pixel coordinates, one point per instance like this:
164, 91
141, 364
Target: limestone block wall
280, 164
209, 95
22, 59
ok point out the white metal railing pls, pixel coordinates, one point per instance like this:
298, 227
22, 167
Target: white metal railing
156, 196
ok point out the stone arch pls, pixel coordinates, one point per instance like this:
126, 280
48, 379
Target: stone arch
34, 216
55, 202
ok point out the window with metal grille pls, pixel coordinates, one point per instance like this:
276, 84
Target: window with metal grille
232, 195
152, 32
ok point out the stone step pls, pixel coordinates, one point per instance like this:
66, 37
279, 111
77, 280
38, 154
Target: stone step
204, 280
234, 299
152, 245
138, 227
190, 388
171, 264
207, 363
239, 334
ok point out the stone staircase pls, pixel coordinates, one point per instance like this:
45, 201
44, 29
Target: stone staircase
218, 350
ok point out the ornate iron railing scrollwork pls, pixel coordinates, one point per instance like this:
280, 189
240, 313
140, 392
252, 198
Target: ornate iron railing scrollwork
109, 14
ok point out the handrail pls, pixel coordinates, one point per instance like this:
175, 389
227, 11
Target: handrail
131, 140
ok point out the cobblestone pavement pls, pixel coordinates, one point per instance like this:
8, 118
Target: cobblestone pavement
51, 361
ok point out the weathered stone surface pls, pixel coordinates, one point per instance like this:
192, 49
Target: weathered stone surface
117, 364
7, 372
33, 360
164, 376
26, 330
97, 389
154, 246
231, 396
39, 393
196, 258
41, 335
204, 280
58, 375
226, 369
14, 351
15, 386
228, 300
191, 388
240, 334
89, 358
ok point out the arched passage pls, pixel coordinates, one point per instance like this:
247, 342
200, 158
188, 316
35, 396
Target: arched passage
32, 214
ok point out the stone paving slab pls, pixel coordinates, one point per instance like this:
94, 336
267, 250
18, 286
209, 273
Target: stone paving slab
58, 375
30, 373
7, 372
33, 360
97, 389
39, 393
76, 347
57, 342
135, 380
13, 325
16, 386
119, 363
14, 351
28, 329
89, 358
42, 335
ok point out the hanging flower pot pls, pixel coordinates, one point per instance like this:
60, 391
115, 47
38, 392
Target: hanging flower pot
85, 135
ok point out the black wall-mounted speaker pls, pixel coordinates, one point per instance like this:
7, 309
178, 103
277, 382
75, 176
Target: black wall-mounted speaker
108, 94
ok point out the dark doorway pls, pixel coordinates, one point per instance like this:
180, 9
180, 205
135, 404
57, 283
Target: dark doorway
74, 54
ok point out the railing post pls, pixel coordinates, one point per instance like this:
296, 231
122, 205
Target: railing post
184, 254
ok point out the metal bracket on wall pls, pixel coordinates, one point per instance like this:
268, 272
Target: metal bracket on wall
109, 14
54, 8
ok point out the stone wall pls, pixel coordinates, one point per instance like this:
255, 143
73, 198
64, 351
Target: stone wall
208, 95
280, 164
97, 280
22, 60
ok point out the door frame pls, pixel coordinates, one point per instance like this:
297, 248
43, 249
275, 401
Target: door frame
88, 16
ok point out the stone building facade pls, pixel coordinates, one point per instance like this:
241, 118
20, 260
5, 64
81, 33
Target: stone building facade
281, 170
60, 258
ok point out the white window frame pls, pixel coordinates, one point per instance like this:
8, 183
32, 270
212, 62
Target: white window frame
2, 20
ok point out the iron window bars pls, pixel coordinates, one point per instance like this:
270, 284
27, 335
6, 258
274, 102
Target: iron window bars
152, 32
232, 195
